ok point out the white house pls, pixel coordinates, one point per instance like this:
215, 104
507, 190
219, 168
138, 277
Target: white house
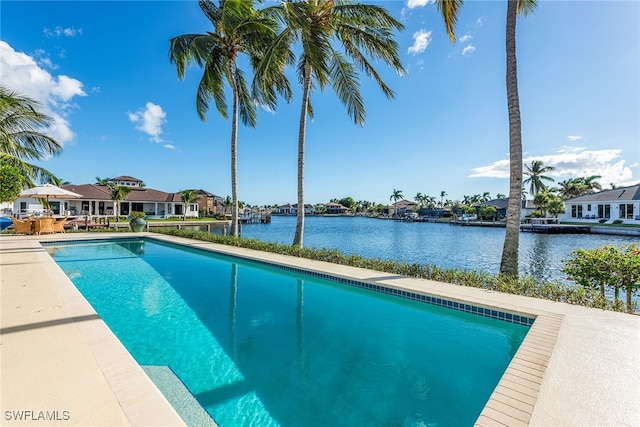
96, 201
616, 204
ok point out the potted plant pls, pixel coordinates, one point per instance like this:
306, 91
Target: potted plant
137, 222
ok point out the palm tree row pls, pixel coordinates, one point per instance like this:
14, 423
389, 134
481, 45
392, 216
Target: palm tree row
364, 33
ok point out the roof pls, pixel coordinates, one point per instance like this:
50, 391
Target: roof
622, 194
137, 194
125, 178
404, 203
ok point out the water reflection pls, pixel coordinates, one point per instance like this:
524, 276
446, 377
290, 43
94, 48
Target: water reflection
537, 258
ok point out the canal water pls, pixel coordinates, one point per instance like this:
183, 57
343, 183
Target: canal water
442, 245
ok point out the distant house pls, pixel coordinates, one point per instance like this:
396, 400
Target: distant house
401, 208
96, 201
283, 210
501, 207
333, 208
619, 203
209, 203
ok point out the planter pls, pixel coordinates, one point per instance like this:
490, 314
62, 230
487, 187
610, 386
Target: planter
137, 224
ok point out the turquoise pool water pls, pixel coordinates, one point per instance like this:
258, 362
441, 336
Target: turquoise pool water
257, 345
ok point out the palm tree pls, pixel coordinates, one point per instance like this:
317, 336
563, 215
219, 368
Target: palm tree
420, 199
237, 29
21, 139
449, 11
395, 196
188, 197
536, 172
102, 181
321, 27
591, 185
501, 196
442, 196
118, 193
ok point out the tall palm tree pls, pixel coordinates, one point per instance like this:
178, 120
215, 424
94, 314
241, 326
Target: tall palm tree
237, 29
449, 10
420, 199
21, 137
337, 38
442, 196
395, 196
118, 193
536, 172
188, 197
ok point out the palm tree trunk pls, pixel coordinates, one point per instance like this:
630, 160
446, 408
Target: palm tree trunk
234, 154
298, 237
509, 263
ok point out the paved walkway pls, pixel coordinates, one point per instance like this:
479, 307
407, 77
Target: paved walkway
577, 366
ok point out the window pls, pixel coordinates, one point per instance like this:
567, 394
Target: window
193, 208
626, 211
604, 211
576, 211
589, 208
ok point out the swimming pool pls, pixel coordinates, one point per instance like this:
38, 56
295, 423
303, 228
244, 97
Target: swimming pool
256, 343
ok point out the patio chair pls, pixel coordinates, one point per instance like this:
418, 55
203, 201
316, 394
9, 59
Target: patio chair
22, 226
58, 225
44, 225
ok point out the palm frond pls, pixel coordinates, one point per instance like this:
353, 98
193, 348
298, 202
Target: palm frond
346, 86
449, 10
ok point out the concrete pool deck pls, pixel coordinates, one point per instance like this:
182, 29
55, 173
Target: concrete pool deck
577, 366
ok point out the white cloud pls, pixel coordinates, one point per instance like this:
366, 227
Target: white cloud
468, 50
149, 120
570, 162
21, 73
573, 137
169, 146
465, 38
421, 38
411, 4
60, 32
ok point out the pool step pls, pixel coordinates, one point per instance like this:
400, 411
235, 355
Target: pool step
178, 396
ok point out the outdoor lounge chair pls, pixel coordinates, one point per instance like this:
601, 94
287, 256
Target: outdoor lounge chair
44, 225
22, 226
58, 225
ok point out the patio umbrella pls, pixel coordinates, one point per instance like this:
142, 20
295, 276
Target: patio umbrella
49, 191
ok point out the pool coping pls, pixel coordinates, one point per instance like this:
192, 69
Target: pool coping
557, 361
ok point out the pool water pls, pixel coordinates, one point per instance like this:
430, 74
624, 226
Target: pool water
258, 345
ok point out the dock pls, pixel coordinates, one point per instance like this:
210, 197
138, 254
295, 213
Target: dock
556, 228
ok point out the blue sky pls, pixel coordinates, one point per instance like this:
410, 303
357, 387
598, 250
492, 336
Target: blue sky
101, 69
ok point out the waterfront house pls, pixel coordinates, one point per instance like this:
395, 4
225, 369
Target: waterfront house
283, 209
616, 204
401, 208
96, 201
209, 203
290, 209
333, 208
